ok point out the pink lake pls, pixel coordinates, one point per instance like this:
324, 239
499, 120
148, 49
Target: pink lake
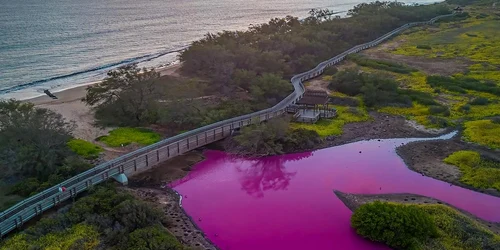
287, 202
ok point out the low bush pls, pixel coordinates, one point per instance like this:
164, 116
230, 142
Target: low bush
330, 71
477, 172
382, 65
438, 109
438, 122
461, 84
125, 136
399, 226
422, 46
84, 148
152, 238
480, 101
483, 132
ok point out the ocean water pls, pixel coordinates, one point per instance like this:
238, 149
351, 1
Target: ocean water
58, 44
287, 202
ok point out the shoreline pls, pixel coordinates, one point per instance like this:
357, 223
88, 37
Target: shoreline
70, 106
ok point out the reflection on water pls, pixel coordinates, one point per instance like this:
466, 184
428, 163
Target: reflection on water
287, 201
266, 174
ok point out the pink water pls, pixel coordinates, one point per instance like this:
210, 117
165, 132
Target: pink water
287, 202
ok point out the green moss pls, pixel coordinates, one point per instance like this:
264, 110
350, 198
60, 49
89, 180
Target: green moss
475, 171
454, 229
483, 132
328, 127
125, 136
84, 148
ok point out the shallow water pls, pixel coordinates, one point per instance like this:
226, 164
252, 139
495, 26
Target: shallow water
56, 44
287, 202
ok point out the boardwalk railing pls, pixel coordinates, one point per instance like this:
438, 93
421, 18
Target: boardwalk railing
151, 155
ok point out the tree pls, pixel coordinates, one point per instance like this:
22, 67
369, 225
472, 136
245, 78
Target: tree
270, 88
33, 141
127, 96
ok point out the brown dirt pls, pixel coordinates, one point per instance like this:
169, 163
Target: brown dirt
383, 126
431, 66
427, 158
354, 201
318, 84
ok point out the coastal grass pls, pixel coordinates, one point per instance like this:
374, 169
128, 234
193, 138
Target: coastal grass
422, 226
477, 172
329, 127
125, 136
483, 132
84, 148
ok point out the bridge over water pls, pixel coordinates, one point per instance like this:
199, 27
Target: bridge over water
154, 154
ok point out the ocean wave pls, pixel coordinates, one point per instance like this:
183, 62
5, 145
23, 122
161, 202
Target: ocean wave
109, 66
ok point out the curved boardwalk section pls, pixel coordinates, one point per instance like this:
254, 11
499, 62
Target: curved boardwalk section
149, 156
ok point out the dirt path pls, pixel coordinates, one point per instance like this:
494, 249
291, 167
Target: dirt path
353, 201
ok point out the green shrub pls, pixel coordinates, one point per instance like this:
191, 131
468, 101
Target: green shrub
152, 238
124, 136
330, 71
496, 120
438, 121
438, 109
480, 101
382, 65
461, 84
399, 226
465, 108
483, 132
471, 35
84, 148
422, 46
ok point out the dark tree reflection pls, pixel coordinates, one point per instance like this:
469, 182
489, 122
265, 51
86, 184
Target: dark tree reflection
267, 173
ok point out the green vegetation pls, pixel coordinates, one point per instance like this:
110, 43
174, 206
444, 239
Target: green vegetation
382, 65
425, 227
80, 236
477, 172
271, 138
105, 219
84, 148
124, 136
378, 90
483, 132
399, 226
34, 149
328, 127
462, 84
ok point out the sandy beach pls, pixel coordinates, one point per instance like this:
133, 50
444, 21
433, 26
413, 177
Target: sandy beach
70, 106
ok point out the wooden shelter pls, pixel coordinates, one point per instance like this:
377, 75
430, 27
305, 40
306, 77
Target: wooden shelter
312, 106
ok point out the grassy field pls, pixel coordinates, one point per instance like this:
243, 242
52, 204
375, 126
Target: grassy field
477, 172
125, 136
84, 148
328, 127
